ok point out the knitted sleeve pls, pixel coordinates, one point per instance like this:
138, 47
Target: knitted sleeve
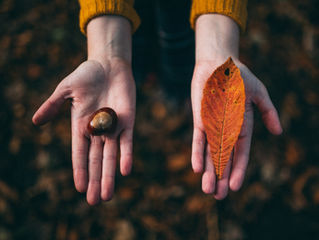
236, 9
93, 8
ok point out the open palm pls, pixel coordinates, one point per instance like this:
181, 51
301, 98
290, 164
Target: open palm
90, 87
235, 170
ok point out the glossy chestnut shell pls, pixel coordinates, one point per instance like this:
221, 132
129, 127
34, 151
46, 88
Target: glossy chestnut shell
103, 121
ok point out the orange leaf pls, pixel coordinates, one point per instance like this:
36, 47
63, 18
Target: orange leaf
223, 107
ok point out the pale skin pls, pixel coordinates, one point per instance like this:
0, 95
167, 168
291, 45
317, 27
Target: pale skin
217, 38
105, 80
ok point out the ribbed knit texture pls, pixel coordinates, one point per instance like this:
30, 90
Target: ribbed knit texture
94, 8
236, 9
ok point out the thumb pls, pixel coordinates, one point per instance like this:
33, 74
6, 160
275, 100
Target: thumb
269, 113
50, 108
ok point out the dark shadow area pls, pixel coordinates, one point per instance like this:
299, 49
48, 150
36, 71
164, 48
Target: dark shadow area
41, 43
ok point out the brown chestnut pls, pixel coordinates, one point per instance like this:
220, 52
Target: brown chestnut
102, 121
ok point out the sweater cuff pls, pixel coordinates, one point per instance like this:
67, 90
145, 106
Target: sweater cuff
94, 8
236, 9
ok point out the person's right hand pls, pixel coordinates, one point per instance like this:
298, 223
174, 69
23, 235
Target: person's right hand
105, 80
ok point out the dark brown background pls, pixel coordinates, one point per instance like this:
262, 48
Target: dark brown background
40, 43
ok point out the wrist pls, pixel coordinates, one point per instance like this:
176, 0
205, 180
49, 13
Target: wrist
109, 39
217, 38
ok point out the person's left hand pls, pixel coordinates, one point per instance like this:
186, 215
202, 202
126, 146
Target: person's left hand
216, 40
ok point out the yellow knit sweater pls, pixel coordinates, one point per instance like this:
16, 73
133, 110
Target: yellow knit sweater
236, 9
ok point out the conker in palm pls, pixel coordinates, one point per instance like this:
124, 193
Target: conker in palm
103, 121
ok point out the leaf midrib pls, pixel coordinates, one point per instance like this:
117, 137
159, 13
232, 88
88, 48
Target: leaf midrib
222, 131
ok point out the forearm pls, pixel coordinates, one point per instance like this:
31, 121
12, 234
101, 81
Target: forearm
109, 38
217, 37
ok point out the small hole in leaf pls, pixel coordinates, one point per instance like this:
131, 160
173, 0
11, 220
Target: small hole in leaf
223, 89
227, 72
213, 91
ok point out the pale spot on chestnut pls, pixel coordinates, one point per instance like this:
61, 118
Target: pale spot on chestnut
102, 121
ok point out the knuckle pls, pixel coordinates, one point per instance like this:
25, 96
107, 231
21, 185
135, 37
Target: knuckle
78, 152
110, 157
95, 160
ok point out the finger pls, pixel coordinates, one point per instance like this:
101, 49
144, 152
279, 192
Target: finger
221, 190
95, 170
50, 108
269, 113
109, 166
80, 147
198, 148
241, 153
209, 176
126, 148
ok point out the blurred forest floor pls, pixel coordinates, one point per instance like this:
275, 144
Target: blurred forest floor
162, 199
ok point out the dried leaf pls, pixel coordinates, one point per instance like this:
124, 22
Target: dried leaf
223, 107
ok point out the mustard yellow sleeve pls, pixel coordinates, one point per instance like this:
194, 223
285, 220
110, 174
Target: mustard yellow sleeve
93, 8
236, 9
